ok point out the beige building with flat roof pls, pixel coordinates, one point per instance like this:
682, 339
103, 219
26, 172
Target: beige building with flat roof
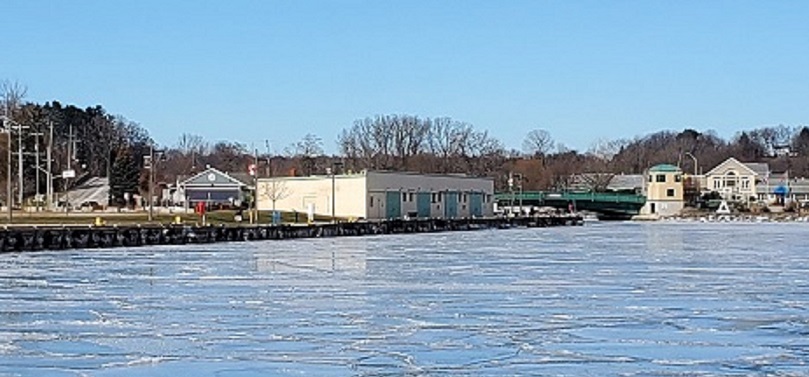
379, 195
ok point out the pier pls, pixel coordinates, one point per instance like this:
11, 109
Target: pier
32, 238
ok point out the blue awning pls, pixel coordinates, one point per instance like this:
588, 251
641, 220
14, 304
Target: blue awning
781, 190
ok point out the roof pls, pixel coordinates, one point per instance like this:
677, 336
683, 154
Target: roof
720, 169
245, 178
366, 172
617, 182
211, 177
760, 168
626, 182
95, 189
665, 168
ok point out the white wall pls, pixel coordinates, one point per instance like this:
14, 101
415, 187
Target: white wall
300, 192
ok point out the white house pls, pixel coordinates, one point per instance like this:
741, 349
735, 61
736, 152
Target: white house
379, 195
736, 180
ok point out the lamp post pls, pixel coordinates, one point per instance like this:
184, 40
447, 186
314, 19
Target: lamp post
519, 187
334, 167
696, 164
151, 164
511, 191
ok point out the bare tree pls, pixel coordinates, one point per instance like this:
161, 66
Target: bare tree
537, 143
597, 182
190, 143
274, 190
11, 94
605, 149
307, 150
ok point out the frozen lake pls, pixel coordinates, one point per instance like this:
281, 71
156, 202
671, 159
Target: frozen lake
606, 299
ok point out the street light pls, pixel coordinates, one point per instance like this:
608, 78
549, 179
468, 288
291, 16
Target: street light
334, 166
150, 162
519, 186
696, 164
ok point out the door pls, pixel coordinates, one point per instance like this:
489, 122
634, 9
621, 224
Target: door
476, 204
451, 205
393, 205
423, 204
652, 207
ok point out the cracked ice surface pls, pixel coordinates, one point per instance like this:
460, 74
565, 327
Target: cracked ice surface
619, 299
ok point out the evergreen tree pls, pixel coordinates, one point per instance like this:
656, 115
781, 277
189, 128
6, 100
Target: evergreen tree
124, 177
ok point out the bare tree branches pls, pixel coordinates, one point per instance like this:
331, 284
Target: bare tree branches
307, 151
11, 95
537, 143
275, 190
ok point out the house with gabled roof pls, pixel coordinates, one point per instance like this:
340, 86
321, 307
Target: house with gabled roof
213, 187
736, 180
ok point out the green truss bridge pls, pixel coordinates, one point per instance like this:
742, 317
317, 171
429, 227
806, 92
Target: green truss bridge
606, 204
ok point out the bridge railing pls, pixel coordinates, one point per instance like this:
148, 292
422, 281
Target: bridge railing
541, 197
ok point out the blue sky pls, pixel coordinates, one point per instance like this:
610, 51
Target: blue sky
277, 70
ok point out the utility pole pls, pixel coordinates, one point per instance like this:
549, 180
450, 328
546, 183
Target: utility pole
19, 164
511, 190
519, 177
48, 171
254, 171
269, 158
9, 197
150, 165
334, 167
36, 167
69, 156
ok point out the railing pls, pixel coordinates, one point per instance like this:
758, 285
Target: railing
540, 196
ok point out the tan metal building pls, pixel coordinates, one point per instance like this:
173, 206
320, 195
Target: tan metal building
379, 195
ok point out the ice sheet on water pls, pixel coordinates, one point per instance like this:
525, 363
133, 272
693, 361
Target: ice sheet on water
604, 299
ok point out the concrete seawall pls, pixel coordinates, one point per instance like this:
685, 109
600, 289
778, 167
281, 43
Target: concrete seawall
30, 238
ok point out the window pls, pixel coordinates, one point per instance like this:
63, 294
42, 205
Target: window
716, 184
433, 197
678, 178
661, 178
410, 197
439, 197
651, 178
404, 196
670, 192
371, 203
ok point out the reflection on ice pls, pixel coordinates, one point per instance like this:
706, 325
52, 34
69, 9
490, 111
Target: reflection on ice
605, 299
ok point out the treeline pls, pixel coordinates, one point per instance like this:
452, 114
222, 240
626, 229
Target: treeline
93, 142
444, 145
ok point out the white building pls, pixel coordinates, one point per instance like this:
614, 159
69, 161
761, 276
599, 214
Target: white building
736, 181
379, 195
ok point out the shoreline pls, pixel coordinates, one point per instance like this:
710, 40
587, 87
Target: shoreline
34, 238
709, 217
